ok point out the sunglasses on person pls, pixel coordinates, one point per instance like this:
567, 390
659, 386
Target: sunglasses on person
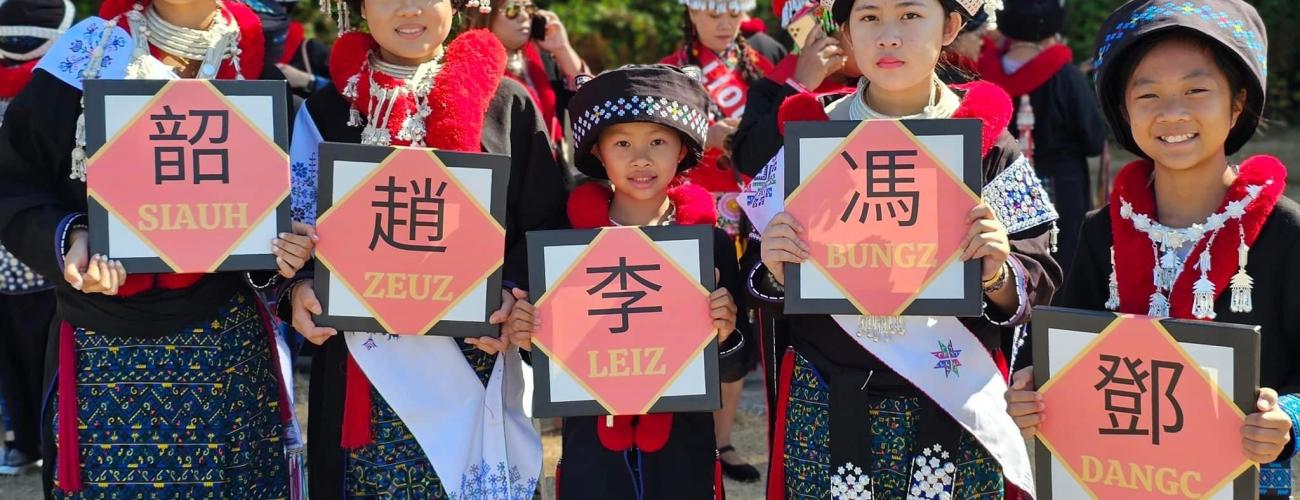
513, 9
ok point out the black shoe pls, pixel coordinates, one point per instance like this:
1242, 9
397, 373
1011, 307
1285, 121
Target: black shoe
744, 473
17, 463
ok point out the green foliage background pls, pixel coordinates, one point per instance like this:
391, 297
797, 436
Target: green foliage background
609, 33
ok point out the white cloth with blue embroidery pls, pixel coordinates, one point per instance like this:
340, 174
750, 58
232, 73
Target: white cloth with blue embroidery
478, 439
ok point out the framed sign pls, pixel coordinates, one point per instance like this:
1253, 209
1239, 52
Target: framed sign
1143, 408
411, 240
187, 176
626, 327
883, 204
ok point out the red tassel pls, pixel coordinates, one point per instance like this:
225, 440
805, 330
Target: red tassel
719, 493
617, 437
69, 471
652, 431
776, 463
356, 408
558, 467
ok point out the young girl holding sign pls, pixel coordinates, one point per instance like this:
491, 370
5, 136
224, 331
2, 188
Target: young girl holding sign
854, 413
1183, 89
422, 416
643, 155
167, 384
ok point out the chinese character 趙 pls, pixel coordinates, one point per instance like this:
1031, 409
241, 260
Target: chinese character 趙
423, 208
884, 180
170, 159
622, 271
1124, 395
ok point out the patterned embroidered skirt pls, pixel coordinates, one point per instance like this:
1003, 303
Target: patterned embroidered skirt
193, 415
394, 466
894, 472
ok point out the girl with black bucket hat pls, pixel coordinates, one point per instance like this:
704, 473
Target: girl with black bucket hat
854, 413
641, 128
1202, 236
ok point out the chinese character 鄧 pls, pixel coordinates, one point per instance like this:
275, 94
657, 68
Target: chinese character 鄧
1124, 394
622, 271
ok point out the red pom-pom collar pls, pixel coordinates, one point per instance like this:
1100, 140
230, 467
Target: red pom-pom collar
1133, 272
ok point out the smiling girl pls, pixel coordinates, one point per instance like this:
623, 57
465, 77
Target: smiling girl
167, 384
1201, 236
854, 414
406, 417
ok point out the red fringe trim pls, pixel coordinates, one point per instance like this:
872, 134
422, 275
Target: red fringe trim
1029, 77
1133, 271
291, 42
473, 65
719, 490
588, 205
14, 78
776, 462
69, 446
356, 408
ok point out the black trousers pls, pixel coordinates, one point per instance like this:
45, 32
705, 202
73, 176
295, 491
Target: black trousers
24, 327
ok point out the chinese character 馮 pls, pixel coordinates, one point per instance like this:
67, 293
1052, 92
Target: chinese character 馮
886, 188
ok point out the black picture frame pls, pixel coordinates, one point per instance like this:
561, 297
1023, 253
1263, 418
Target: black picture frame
1244, 340
971, 302
543, 405
101, 239
330, 154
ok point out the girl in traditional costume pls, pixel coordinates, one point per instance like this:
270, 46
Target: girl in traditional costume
422, 417
167, 384
1190, 233
1057, 119
860, 407
662, 456
545, 63
728, 65
28, 28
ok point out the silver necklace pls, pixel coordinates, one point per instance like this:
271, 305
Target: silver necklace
417, 81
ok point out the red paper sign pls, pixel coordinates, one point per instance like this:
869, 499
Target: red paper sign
883, 217
410, 242
190, 175
1133, 416
624, 321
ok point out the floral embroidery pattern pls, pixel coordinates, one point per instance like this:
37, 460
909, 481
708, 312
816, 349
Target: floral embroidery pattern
79, 52
933, 475
850, 483
484, 482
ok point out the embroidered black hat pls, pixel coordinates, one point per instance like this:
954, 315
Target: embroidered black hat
654, 93
1031, 20
969, 8
29, 27
1232, 25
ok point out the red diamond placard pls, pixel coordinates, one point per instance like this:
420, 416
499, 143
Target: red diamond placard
410, 241
625, 366
162, 175
1133, 415
883, 216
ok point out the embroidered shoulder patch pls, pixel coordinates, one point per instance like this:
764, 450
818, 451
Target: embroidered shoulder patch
1018, 199
71, 55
